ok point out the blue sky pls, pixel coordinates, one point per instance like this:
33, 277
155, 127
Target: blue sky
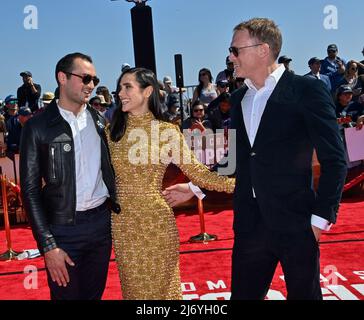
200, 30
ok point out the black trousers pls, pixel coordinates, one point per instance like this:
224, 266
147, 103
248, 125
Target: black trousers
88, 243
256, 255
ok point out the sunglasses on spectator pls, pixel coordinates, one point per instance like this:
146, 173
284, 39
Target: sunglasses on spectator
198, 110
235, 50
86, 79
13, 102
96, 104
203, 74
353, 69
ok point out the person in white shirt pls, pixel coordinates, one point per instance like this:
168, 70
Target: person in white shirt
68, 185
279, 118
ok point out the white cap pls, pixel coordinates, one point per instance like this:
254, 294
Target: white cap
125, 66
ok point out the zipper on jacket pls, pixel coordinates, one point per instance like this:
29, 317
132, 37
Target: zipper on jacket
53, 163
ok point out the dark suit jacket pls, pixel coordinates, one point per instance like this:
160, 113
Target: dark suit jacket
299, 116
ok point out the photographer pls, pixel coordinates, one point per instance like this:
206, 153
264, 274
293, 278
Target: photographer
333, 67
227, 75
29, 93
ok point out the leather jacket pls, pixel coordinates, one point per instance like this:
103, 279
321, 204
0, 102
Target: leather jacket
47, 172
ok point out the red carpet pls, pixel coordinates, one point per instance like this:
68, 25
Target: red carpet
205, 268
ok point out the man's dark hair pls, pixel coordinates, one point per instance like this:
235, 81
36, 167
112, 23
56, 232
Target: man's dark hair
66, 63
224, 97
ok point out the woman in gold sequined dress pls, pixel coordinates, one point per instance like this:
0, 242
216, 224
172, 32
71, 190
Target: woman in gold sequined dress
145, 235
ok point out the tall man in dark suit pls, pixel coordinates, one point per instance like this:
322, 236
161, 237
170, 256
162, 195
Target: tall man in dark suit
279, 118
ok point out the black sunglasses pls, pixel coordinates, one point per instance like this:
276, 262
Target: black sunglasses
198, 110
235, 50
86, 79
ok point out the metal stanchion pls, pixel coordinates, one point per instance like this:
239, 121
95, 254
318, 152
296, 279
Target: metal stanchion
203, 236
10, 254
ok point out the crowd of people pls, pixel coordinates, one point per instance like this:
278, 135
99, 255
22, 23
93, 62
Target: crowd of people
345, 81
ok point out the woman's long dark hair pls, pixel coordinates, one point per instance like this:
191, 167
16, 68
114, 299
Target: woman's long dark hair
145, 78
200, 83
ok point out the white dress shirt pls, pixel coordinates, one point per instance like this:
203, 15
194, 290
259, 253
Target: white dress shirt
91, 190
255, 100
253, 106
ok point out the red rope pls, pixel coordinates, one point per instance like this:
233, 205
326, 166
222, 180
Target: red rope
354, 182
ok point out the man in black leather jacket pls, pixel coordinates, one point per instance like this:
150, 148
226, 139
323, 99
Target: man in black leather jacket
68, 186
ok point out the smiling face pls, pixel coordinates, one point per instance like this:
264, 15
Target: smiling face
247, 60
72, 90
133, 98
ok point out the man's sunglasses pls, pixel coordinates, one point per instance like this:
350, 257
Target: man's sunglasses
13, 102
235, 50
86, 79
198, 110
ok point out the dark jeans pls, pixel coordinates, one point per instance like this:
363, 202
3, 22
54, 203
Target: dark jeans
88, 244
256, 255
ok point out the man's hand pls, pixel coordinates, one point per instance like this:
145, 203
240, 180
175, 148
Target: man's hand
198, 125
177, 194
29, 81
317, 232
55, 261
341, 65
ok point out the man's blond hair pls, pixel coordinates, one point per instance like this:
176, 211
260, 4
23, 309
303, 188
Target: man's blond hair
265, 31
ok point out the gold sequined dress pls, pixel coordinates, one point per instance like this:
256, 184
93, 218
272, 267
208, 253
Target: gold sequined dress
145, 235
